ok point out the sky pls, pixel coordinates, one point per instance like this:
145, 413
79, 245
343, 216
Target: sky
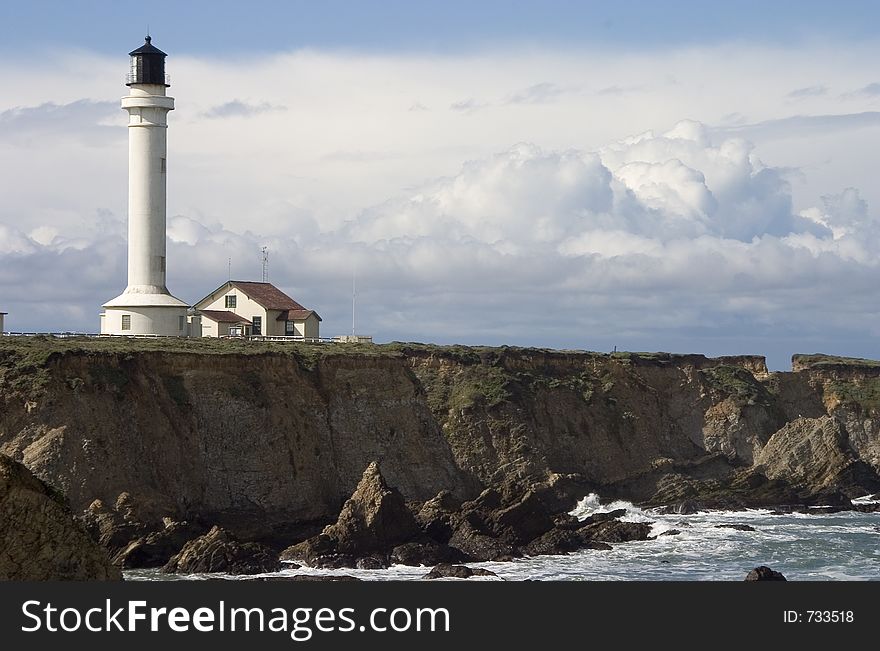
680, 176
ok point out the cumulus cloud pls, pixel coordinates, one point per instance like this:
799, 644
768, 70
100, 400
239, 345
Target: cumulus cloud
684, 236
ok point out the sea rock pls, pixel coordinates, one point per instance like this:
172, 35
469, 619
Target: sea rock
446, 571
437, 517
615, 531
670, 532
375, 518
217, 551
427, 553
39, 538
603, 516
737, 527
764, 573
522, 520
480, 546
371, 523
562, 541
114, 527
157, 548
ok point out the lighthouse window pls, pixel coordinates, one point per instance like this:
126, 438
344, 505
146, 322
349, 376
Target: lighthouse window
230, 302
162, 165
126, 321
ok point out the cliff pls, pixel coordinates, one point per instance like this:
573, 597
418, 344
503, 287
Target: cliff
269, 439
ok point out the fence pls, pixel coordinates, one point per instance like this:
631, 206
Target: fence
280, 339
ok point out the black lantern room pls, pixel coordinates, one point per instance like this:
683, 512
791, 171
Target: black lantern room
147, 65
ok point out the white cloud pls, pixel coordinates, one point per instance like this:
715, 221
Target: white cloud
685, 236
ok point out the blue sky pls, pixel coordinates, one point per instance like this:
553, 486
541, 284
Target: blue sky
682, 176
199, 27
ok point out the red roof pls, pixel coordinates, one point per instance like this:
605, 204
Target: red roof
296, 315
267, 295
223, 316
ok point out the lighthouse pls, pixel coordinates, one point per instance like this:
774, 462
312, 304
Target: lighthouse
146, 307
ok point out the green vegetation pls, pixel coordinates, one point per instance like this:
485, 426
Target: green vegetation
824, 361
862, 392
738, 383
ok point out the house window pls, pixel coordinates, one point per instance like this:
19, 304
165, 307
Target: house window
181, 322
289, 328
235, 331
126, 321
230, 301
258, 325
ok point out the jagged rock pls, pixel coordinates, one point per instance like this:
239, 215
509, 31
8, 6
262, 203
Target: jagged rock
437, 516
737, 527
479, 546
39, 538
603, 517
521, 521
615, 531
670, 532
427, 553
444, 571
217, 551
566, 521
157, 548
764, 573
561, 541
375, 518
371, 563
371, 523
114, 528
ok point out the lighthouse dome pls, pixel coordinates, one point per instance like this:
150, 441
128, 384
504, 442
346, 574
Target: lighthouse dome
147, 65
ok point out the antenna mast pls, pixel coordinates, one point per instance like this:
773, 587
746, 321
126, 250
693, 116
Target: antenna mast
353, 295
265, 252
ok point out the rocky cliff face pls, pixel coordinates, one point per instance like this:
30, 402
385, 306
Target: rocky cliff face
266, 438
39, 538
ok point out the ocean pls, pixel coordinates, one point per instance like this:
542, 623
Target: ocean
804, 547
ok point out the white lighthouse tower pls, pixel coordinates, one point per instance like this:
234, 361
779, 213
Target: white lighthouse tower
146, 307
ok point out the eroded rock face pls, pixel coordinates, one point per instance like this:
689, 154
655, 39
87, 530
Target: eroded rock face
656, 429
815, 454
39, 538
217, 551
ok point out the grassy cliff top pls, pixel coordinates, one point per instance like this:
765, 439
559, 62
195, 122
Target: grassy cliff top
820, 361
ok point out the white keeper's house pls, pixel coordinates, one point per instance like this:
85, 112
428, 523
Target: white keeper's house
243, 308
